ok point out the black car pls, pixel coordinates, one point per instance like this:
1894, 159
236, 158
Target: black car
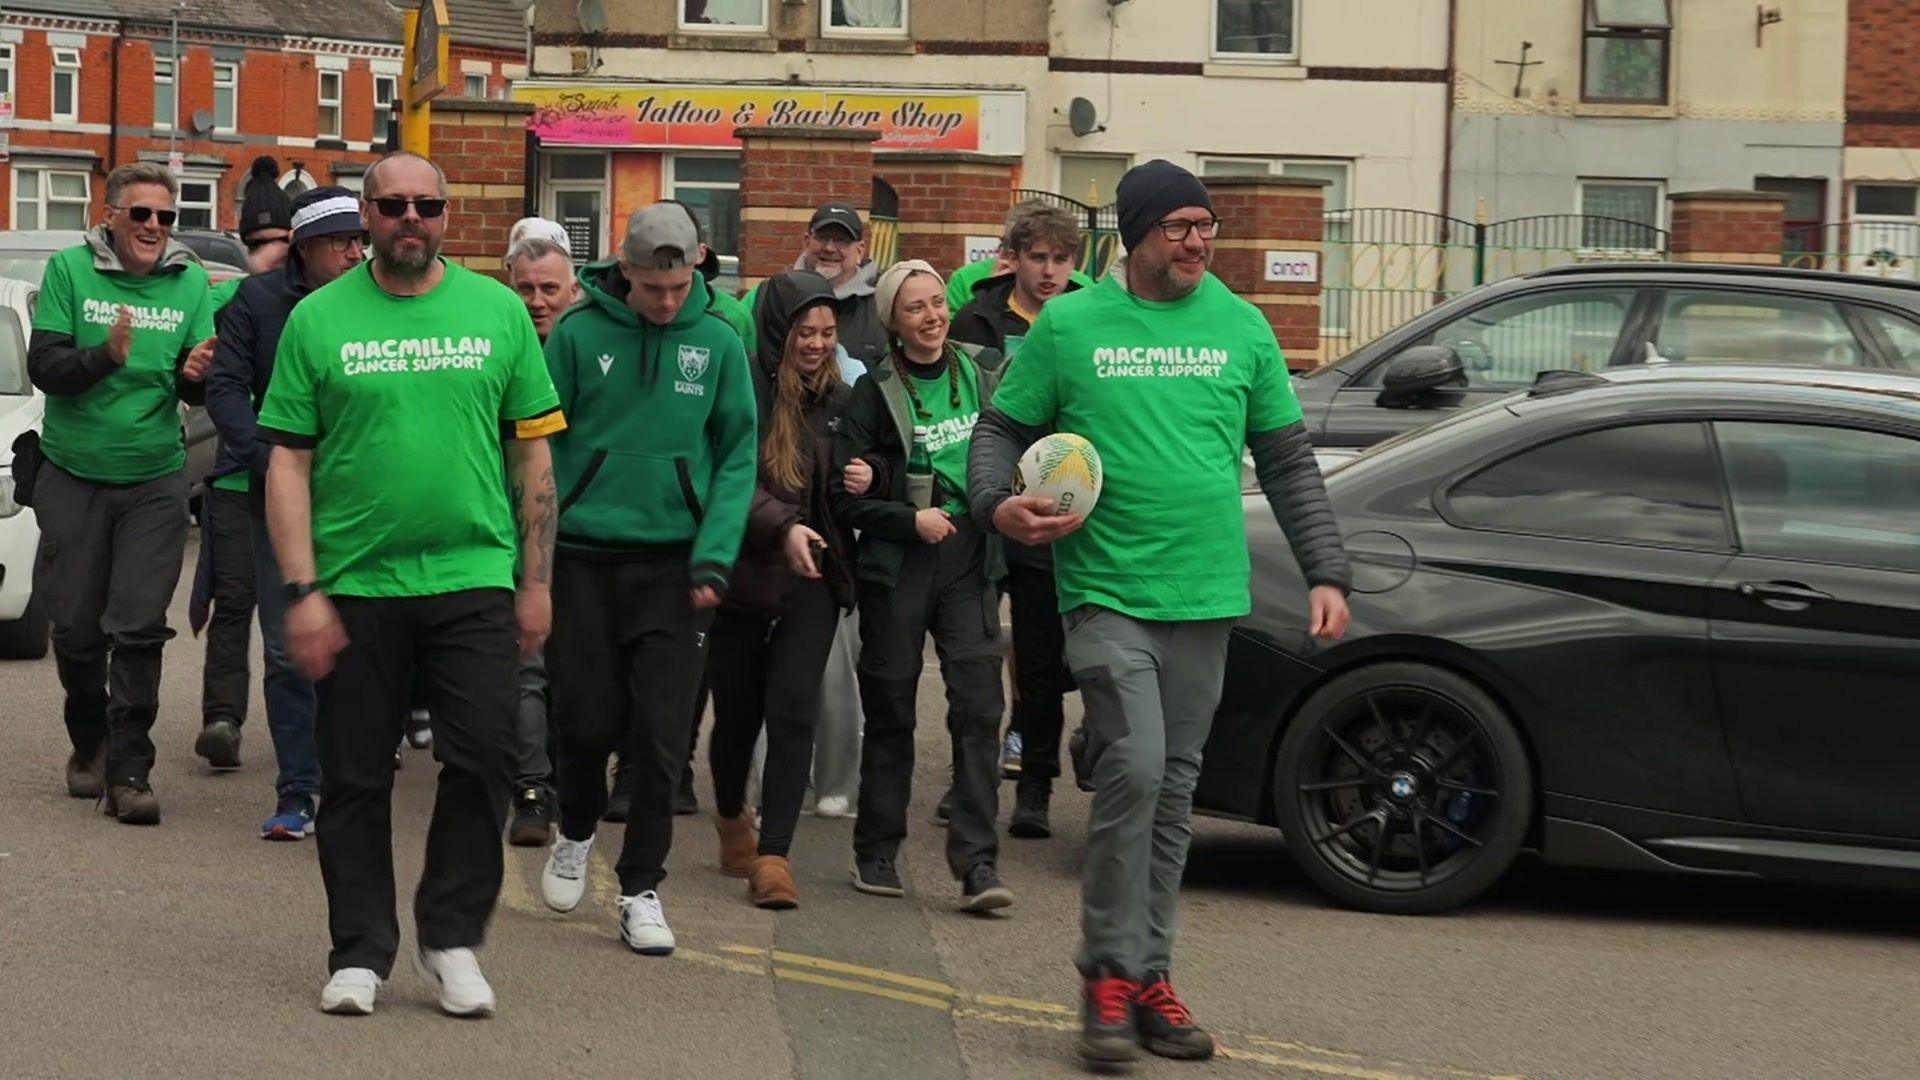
1496, 339
1660, 618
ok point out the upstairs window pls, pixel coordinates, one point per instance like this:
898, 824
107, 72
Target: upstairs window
1628, 47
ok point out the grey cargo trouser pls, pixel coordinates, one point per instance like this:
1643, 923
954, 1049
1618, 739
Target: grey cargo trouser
1150, 690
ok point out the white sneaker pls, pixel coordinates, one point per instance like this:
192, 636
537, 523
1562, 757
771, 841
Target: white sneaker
564, 880
350, 992
643, 925
833, 806
456, 975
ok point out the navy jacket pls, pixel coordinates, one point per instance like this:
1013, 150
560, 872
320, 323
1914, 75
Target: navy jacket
249, 330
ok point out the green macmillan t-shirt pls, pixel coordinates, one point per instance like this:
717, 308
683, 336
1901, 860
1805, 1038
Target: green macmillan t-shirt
124, 429
406, 399
1167, 393
222, 295
941, 440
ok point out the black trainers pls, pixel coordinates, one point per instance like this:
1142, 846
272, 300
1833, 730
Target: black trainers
877, 877
1108, 1038
1166, 1027
419, 729
1077, 753
219, 743
620, 800
532, 824
132, 803
943, 811
981, 890
1030, 797
686, 802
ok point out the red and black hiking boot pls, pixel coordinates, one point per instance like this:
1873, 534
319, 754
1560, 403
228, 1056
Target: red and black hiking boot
1107, 1036
1165, 1025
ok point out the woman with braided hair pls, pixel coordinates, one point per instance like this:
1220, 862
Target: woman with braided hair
923, 567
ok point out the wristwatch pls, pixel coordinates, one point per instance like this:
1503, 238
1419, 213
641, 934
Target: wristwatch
295, 591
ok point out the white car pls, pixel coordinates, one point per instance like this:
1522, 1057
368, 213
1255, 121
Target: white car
23, 623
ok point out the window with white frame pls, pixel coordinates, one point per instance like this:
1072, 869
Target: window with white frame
51, 198
1256, 29
476, 86
226, 97
165, 101
385, 89
329, 119
1622, 215
575, 195
6, 70
876, 17
66, 85
197, 201
723, 15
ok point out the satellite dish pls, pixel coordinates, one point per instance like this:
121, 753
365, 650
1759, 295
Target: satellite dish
1081, 116
202, 121
593, 16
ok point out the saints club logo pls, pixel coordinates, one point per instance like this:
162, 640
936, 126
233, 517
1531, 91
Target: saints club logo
693, 364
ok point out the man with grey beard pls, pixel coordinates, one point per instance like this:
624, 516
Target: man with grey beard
392, 506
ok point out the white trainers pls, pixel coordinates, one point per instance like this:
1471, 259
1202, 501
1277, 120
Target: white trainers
643, 925
456, 975
350, 992
833, 806
564, 880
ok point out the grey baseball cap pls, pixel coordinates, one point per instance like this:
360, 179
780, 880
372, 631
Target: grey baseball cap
660, 237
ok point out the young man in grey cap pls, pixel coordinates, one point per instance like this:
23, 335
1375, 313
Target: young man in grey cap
656, 474
1152, 584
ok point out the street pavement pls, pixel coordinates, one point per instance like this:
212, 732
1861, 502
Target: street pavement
197, 950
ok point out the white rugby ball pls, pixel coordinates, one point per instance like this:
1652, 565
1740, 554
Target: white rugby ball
1062, 467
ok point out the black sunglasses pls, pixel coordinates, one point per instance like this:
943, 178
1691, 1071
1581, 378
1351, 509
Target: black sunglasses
393, 207
140, 214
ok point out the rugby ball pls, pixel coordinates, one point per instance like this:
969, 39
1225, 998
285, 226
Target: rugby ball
1062, 467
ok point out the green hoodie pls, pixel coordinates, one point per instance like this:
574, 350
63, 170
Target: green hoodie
661, 427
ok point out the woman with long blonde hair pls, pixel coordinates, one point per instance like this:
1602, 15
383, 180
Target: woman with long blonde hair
767, 651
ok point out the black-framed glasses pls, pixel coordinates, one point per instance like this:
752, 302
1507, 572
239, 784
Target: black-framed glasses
343, 242
255, 243
142, 214
1176, 229
391, 206
833, 238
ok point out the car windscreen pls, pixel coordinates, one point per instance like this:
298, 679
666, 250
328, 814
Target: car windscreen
13, 354
24, 264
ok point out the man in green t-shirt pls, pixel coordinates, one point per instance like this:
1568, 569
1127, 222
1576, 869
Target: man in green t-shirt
1170, 376
122, 334
392, 507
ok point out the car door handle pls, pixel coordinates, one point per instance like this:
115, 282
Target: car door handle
1782, 595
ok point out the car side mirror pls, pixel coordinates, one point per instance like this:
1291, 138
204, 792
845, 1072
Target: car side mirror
1418, 371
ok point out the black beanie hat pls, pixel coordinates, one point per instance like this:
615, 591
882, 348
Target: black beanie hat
266, 206
1148, 193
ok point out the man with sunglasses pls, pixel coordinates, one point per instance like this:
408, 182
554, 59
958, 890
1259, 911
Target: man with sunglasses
122, 334
1170, 376
327, 241
408, 412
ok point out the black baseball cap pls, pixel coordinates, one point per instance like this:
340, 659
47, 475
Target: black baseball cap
839, 214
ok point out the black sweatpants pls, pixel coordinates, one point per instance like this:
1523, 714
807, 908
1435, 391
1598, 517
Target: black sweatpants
465, 647
1040, 677
942, 590
226, 682
625, 660
769, 670
109, 562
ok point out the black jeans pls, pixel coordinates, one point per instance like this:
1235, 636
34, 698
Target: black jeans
225, 682
942, 589
464, 645
1040, 676
625, 660
769, 670
109, 562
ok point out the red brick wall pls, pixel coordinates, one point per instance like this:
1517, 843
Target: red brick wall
496, 59
785, 173
1261, 214
482, 147
1727, 227
945, 198
1883, 73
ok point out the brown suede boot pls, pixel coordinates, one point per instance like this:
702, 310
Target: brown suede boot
737, 844
771, 883
87, 779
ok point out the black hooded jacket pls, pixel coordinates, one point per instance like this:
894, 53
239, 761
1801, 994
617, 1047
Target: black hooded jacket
988, 319
249, 335
761, 579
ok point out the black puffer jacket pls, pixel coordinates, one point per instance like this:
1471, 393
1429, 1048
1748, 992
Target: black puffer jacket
761, 580
249, 330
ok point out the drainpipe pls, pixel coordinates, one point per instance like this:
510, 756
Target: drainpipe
113, 98
1446, 145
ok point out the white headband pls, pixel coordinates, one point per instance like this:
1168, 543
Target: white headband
325, 208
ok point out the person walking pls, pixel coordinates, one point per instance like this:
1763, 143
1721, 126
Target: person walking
657, 470
768, 649
394, 524
122, 333
223, 582
835, 247
1170, 376
1041, 242
327, 242
924, 567
540, 269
